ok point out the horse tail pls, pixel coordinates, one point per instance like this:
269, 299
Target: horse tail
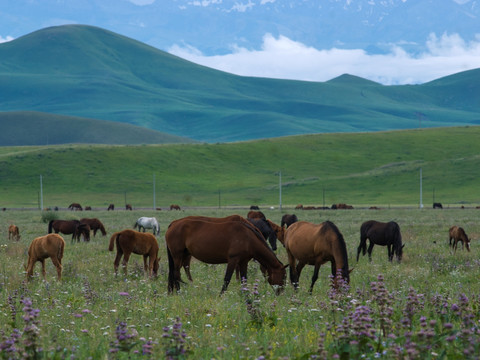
136, 224
50, 226
112, 241
60, 251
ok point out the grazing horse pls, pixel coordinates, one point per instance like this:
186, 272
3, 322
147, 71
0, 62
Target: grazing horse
13, 233
95, 225
437, 205
75, 206
48, 246
131, 241
456, 233
288, 219
232, 242
174, 207
315, 244
384, 234
252, 214
111, 207
74, 227
128, 207
147, 223
266, 230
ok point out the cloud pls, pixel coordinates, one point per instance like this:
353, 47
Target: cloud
6, 39
281, 57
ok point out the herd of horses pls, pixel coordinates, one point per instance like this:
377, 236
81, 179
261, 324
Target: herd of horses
232, 240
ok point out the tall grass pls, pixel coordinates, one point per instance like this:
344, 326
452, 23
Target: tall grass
423, 307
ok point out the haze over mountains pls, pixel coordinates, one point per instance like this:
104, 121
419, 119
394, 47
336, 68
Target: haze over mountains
89, 72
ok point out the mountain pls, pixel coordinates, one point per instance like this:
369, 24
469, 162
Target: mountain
89, 72
212, 26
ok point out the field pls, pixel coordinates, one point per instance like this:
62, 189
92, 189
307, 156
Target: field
425, 307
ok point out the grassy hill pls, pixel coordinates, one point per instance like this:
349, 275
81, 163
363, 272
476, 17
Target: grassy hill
363, 169
33, 128
89, 72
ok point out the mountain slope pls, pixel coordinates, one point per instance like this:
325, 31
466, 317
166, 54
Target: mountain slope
93, 73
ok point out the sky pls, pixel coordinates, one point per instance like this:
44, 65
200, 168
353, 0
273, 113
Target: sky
279, 56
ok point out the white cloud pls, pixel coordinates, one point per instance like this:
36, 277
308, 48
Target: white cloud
5, 39
287, 59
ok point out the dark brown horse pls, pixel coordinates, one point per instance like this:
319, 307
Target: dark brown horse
174, 207
111, 207
44, 247
95, 225
266, 230
131, 241
380, 233
128, 207
75, 206
288, 219
13, 233
232, 242
456, 234
74, 227
253, 214
315, 244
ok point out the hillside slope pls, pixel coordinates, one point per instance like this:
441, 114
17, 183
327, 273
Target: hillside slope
93, 73
34, 128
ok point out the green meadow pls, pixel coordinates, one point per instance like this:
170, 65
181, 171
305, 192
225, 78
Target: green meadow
425, 307
363, 169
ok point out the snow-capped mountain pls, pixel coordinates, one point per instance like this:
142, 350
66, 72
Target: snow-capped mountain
217, 26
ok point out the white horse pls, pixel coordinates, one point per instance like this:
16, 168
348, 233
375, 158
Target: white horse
147, 223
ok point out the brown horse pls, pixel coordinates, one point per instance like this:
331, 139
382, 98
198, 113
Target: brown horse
380, 233
456, 233
128, 207
232, 242
48, 246
174, 207
74, 227
252, 214
288, 219
111, 207
13, 233
315, 244
131, 241
95, 225
75, 206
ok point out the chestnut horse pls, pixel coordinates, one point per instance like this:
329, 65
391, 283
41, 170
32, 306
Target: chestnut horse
131, 241
174, 207
95, 225
384, 234
232, 242
13, 233
74, 227
456, 233
315, 244
43, 247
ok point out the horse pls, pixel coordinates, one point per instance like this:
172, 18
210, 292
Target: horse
75, 206
111, 207
384, 234
315, 244
252, 214
254, 207
13, 233
266, 230
288, 219
147, 223
74, 227
456, 233
437, 205
232, 242
128, 207
131, 241
174, 207
95, 225
43, 247
88, 208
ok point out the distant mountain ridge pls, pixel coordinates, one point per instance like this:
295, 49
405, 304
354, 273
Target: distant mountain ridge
89, 72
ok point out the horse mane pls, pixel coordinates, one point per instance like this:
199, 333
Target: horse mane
397, 237
328, 225
258, 234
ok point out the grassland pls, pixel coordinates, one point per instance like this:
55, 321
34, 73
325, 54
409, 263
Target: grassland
366, 169
425, 307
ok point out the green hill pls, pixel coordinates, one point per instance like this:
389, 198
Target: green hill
92, 73
363, 169
34, 128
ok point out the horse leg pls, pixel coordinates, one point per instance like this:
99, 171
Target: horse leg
370, 249
186, 266
44, 272
390, 252
116, 263
293, 271
232, 264
126, 257
146, 268
58, 265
